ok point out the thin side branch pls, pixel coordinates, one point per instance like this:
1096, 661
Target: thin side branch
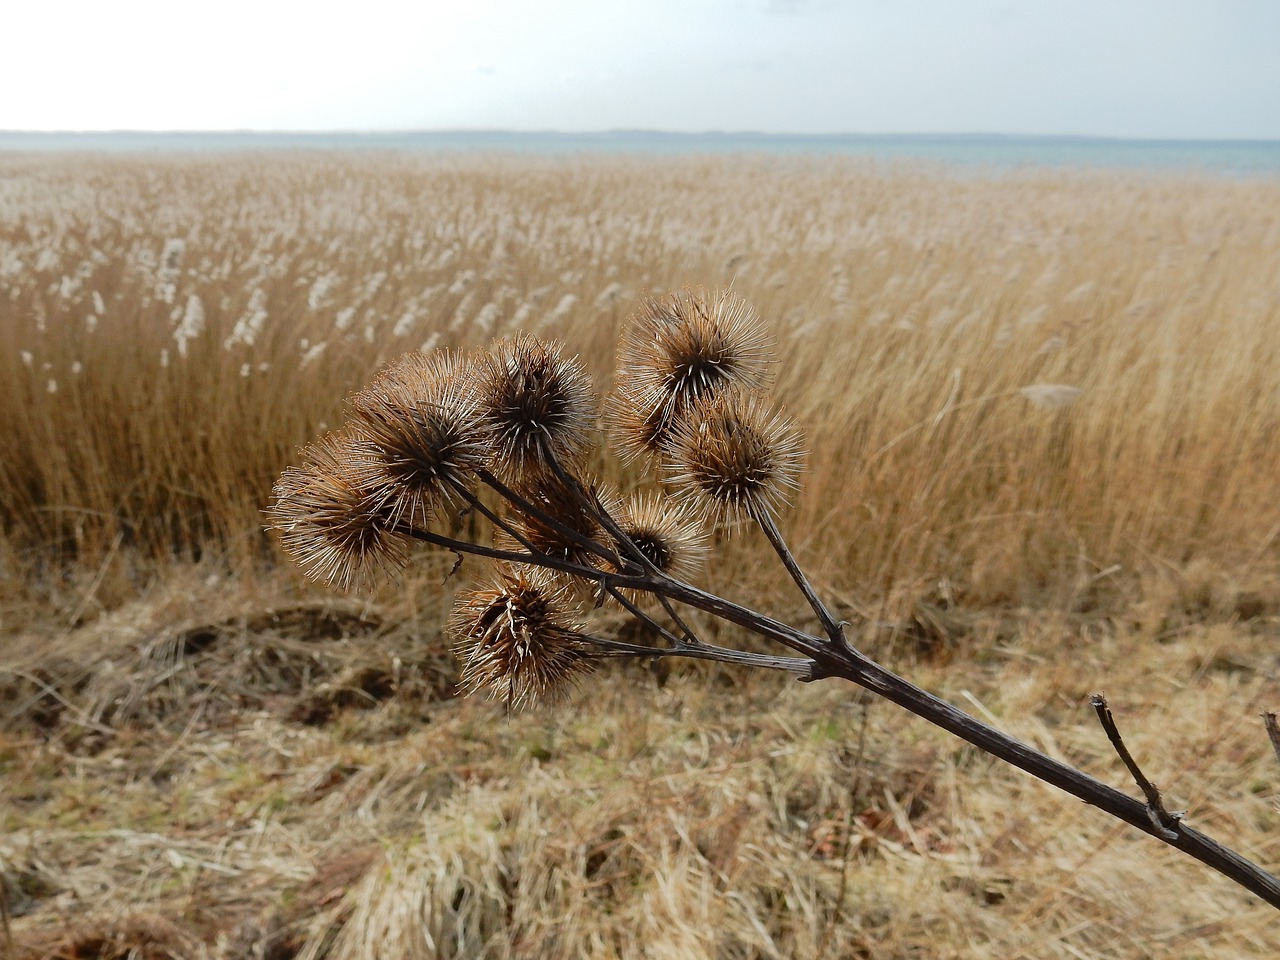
644, 618
1168, 823
1273, 732
703, 651
830, 625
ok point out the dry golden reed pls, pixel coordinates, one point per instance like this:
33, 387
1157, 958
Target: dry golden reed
920, 313
174, 329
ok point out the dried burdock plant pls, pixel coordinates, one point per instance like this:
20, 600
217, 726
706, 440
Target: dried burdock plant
335, 526
515, 639
639, 419
516, 424
536, 401
677, 351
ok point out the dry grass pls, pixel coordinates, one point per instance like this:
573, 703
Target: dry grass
199, 756
710, 814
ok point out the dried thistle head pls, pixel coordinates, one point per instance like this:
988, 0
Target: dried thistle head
532, 396
514, 639
422, 433
679, 350
668, 533
639, 416
735, 457
328, 522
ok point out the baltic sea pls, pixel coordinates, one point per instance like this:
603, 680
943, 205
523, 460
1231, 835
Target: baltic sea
976, 151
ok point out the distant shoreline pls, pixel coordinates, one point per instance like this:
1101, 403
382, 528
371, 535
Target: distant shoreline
1001, 151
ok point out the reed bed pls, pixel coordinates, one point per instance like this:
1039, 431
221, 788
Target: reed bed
1041, 409
1038, 387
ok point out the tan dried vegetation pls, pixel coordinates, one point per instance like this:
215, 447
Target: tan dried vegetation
1042, 413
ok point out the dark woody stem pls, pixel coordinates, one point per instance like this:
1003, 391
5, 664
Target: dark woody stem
531, 509
677, 644
644, 618
812, 648
829, 660
802, 666
624, 542
479, 505
830, 625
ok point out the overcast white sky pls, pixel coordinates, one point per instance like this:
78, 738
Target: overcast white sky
1134, 68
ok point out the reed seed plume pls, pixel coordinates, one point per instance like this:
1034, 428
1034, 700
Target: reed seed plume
536, 401
735, 457
1051, 396
328, 521
678, 350
514, 639
424, 431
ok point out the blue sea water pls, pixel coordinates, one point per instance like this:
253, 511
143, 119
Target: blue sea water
1230, 157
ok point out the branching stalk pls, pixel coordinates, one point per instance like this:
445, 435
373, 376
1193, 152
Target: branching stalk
830, 625
529, 508
592, 502
325, 515
821, 660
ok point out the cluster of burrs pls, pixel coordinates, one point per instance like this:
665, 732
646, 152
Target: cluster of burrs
508, 433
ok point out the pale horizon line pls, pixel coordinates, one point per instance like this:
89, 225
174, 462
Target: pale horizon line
627, 131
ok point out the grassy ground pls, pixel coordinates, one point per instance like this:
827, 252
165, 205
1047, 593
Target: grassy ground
1042, 416
291, 777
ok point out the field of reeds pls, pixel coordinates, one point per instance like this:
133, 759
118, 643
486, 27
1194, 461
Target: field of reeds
1043, 418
